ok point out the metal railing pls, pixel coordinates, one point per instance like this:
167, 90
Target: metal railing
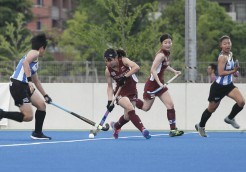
93, 72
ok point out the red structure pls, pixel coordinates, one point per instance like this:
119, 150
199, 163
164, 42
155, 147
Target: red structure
49, 14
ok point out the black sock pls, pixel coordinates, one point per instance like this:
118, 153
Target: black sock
39, 120
235, 110
205, 116
16, 116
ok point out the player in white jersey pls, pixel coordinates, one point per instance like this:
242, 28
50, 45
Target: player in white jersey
23, 92
223, 86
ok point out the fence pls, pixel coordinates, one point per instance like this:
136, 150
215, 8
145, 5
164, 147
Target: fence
93, 71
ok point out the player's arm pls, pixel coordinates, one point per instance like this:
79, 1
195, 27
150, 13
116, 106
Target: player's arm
110, 85
169, 68
157, 61
31, 56
37, 83
222, 60
134, 67
40, 88
110, 90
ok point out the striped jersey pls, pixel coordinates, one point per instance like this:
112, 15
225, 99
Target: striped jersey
226, 79
19, 73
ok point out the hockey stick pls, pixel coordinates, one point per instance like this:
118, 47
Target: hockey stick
106, 128
158, 89
94, 132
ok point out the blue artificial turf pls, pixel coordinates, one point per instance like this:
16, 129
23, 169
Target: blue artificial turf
73, 151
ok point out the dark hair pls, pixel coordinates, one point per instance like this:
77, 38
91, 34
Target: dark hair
213, 66
224, 37
110, 53
39, 41
121, 53
165, 36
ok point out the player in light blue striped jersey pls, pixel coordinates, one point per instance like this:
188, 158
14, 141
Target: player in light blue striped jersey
22, 89
223, 86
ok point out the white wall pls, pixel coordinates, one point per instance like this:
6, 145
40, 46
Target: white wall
90, 99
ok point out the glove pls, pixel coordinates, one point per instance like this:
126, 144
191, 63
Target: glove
122, 81
47, 99
110, 108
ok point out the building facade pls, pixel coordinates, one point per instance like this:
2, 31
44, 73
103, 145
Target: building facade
236, 9
49, 14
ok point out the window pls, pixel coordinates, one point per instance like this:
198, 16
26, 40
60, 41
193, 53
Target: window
40, 2
65, 4
39, 25
55, 3
241, 12
227, 6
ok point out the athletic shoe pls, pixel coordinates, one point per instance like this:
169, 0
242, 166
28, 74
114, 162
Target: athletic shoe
146, 134
201, 130
176, 132
39, 136
232, 122
115, 132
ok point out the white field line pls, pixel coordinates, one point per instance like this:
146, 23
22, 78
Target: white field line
82, 140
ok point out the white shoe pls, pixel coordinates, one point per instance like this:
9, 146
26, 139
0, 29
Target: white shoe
232, 122
201, 130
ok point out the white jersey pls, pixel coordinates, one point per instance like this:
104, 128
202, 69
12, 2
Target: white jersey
19, 73
227, 79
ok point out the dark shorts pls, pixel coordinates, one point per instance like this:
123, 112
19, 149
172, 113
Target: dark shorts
218, 92
20, 92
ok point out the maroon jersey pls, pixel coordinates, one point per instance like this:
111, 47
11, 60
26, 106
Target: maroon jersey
151, 84
129, 89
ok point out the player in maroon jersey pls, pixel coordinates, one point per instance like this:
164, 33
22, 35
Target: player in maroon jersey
122, 70
159, 65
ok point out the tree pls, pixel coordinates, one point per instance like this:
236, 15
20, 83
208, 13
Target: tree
118, 27
13, 44
212, 23
238, 41
10, 9
132, 25
211, 28
15, 41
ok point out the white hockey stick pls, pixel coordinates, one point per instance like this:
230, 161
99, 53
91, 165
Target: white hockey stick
168, 82
100, 125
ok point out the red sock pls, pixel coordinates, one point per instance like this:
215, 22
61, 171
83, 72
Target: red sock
120, 123
139, 103
171, 118
136, 120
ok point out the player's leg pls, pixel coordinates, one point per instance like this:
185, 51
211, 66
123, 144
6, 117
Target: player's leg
22, 100
171, 114
144, 105
116, 126
132, 116
40, 114
16, 116
216, 94
236, 95
200, 127
24, 115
